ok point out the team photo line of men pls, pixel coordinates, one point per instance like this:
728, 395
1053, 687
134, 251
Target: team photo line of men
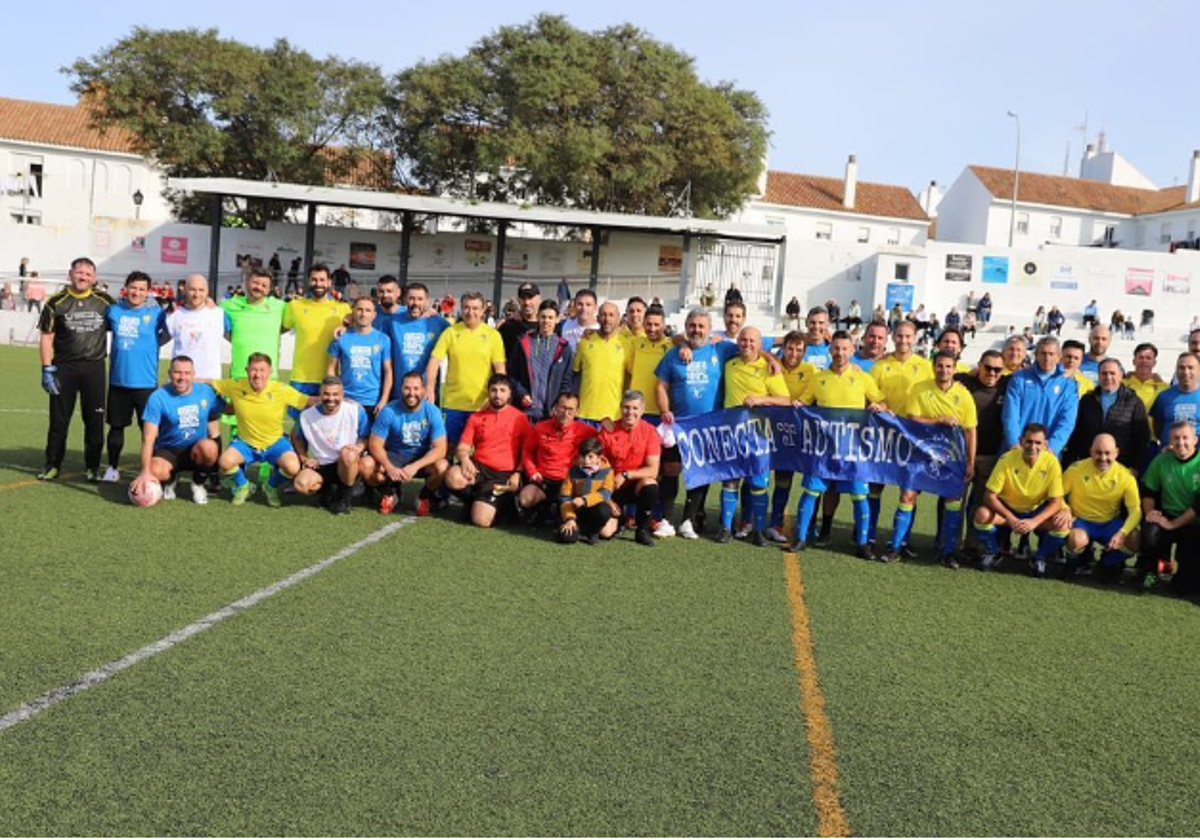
569, 422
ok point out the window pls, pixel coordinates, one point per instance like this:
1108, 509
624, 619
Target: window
27, 217
1139, 236
1191, 231
1056, 227
1164, 234
902, 271
824, 230
1023, 223
893, 236
864, 234
777, 221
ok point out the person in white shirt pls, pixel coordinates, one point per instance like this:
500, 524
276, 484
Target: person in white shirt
197, 329
585, 319
331, 440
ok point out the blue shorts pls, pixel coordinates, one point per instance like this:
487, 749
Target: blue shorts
456, 421
270, 455
309, 389
854, 488
1098, 532
758, 481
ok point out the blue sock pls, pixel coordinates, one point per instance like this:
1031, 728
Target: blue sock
277, 478
873, 504
729, 500
779, 500
1049, 543
862, 518
989, 537
804, 516
238, 477
1114, 557
901, 525
951, 525
758, 508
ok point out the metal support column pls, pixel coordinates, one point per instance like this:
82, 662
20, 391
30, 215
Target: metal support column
594, 266
780, 259
498, 282
685, 271
214, 245
310, 239
405, 246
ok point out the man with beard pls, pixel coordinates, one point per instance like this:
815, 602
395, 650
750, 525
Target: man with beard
408, 441
414, 333
314, 318
472, 351
633, 449
255, 321
330, 440
526, 320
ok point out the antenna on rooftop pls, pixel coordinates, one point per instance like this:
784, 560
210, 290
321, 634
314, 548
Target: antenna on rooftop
684, 200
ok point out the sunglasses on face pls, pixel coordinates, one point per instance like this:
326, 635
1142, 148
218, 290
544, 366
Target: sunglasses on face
991, 369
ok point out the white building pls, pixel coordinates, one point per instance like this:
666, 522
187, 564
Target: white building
1111, 205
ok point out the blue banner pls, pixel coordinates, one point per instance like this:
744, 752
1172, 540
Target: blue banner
831, 443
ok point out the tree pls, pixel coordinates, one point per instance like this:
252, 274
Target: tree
544, 112
204, 106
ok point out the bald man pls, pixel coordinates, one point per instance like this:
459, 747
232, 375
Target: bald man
600, 363
198, 328
1098, 341
1103, 508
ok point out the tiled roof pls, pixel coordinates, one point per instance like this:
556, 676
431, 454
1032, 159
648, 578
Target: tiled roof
826, 194
59, 125
1060, 191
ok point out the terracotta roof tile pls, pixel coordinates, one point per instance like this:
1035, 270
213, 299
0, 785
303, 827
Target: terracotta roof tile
59, 125
1061, 191
826, 194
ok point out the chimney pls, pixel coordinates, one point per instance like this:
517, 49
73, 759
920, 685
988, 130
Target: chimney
1193, 187
1088, 153
929, 196
760, 185
851, 183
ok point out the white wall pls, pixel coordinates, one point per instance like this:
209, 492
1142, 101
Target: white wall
963, 211
802, 224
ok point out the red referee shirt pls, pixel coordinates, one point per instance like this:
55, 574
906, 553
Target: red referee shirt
497, 437
628, 449
550, 449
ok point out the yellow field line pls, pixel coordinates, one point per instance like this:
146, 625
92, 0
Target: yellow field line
822, 759
26, 482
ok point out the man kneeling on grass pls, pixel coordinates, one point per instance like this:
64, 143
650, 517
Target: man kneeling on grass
408, 441
260, 405
1103, 508
550, 448
1024, 493
586, 497
634, 449
489, 453
331, 442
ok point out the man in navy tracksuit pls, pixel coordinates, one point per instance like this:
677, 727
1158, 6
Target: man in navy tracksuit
1041, 394
540, 365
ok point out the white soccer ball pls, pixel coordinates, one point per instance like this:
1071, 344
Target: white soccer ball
151, 494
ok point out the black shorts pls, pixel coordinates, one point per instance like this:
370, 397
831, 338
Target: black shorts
626, 494
552, 487
180, 459
487, 482
329, 474
670, 455
122, 402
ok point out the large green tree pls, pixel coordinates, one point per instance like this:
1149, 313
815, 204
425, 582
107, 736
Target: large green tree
611, 120
206, 106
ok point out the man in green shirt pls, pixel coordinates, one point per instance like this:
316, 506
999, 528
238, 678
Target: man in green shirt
1170, 487
257, 321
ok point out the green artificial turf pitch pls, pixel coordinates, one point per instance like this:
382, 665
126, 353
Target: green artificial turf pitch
448, 681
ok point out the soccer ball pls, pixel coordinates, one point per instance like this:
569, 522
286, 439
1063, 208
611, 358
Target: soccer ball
151, 494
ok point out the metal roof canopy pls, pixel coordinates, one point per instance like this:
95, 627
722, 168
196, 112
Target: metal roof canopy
505, 214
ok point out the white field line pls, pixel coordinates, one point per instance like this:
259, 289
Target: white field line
99, 675
25, 411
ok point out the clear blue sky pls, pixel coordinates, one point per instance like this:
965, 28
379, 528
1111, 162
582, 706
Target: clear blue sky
917, 90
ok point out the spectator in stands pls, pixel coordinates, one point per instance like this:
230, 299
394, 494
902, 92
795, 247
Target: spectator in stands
895, 317
835, 312
793, 313
1117, 323
853, 315
1027, 334
953, 319
563, 292
1111, 408
985, 309
972, 304
1091, 314
1055, 320
340, 277
969, 322
919, 318
708, 297
23, 268
733, 294
878, 314
1040, 321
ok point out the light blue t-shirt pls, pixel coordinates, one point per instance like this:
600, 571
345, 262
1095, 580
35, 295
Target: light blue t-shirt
1173, 405
412, 344
182, 420
407, 435
818, 355
697, 387
360, 360
135, 334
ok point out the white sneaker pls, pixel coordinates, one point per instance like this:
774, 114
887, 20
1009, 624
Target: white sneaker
665, 529
776, 536
169, 492
111, 475
686, 531
746, 530
199, 494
